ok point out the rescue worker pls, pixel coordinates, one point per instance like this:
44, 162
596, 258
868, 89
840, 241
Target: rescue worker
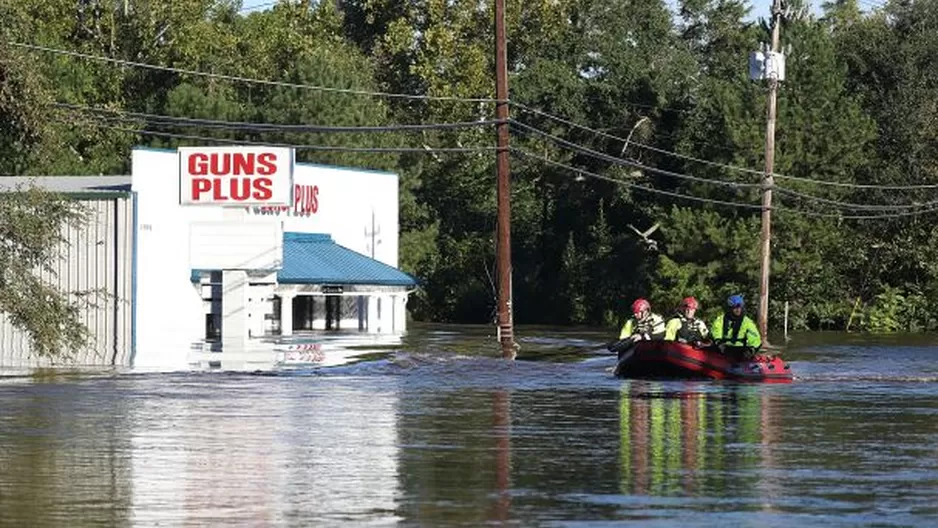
643, 326
735, 333
684, 327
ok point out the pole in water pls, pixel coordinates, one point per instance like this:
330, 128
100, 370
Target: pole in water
768, 180
786, 321
503, 244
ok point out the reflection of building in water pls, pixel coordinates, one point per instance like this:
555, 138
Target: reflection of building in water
669, 439
284, 453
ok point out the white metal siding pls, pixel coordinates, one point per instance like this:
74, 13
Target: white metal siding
97, 255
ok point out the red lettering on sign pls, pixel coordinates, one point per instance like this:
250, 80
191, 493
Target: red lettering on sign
243, 164
263, 188
199, 186
267, 164
240, 189
198, 164
234, 189
217, 194
239, 175
305, 199
232, 163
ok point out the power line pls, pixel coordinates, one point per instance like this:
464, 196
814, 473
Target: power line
652, 190
856, 206
376, 150
747, 170
627, 163
590, 174
267, 127
235, 78
858, 216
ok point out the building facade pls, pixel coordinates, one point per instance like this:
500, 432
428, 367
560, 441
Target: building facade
225, 268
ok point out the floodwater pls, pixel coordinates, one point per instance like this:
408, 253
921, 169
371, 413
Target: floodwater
438, 434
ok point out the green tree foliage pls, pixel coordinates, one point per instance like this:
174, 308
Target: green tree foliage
31, 222
858, 106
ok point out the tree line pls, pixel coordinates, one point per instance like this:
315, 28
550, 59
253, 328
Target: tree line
626, 113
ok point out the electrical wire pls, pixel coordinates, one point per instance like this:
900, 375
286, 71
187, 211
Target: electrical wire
747, 170
236, 78
628, 163
717, 202
268, 127
855, 206
652, 190
378, 150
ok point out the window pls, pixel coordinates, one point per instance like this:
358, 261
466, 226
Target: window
303, 306
212, 327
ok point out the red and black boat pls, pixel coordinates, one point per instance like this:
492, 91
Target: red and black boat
672, 359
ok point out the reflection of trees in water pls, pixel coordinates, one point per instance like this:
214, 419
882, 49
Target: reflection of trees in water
455, 458
61, 462
686, 441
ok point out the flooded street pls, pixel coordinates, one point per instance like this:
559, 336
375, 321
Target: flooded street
437, 434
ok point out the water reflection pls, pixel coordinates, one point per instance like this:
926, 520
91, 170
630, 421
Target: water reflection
684, 438
433, 439
501, 411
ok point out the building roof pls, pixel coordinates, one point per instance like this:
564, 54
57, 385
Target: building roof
311, 258
69, 184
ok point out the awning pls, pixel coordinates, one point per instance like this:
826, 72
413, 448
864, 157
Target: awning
312, 258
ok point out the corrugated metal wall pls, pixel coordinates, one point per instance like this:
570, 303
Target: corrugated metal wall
97, 256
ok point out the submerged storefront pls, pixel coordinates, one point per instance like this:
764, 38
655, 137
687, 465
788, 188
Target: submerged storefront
242, 258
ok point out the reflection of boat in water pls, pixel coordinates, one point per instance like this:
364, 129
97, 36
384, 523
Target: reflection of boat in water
687, 438
671, 359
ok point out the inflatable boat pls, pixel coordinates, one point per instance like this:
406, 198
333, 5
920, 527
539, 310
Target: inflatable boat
671, 359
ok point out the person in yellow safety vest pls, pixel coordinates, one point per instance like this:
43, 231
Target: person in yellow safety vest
736, 331
644, 325
684, 327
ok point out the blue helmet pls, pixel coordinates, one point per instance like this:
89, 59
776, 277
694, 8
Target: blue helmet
735, 300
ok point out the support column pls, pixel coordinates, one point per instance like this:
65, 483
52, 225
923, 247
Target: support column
373, 322
234, 310
286, 314
386, 320
400, 313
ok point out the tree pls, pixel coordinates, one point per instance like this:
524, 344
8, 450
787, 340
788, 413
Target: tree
31, 223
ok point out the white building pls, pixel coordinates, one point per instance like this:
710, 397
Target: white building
291, 269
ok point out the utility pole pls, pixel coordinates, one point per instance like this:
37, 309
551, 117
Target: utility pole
768, 179
503, 244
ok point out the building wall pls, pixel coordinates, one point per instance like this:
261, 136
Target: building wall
96, 255
348, 204
359, 209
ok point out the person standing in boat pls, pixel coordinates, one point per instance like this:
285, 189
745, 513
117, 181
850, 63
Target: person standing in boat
684, 327
735, 332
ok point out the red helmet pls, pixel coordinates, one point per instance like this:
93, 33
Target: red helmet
639, 305
689, 302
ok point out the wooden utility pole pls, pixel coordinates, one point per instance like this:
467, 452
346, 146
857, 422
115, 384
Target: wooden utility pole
768, 179
503, 244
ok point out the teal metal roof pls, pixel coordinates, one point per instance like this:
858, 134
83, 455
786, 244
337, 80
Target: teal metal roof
312, 258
